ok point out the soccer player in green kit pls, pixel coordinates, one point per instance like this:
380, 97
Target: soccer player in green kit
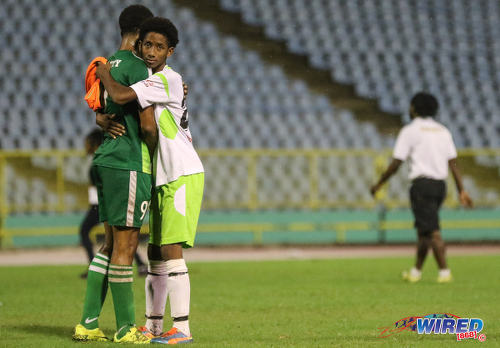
122, 172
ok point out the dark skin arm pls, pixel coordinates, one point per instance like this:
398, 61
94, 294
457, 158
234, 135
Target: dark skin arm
122, 95
465, 200
119, 93
149, 130
105, 121
393, 168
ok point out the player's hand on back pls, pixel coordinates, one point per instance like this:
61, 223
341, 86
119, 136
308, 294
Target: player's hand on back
186, 89
465, 200
113, 128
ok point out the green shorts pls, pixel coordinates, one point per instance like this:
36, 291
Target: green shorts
175, 208
123, 195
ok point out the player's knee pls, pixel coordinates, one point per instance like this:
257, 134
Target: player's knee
123, 250
436, 236
127, 248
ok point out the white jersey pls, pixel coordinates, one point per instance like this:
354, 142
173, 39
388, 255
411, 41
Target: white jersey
175, 155
429, 146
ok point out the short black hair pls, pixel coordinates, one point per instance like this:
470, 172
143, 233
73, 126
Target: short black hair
162, 26
425, 104
95, 137
132, 17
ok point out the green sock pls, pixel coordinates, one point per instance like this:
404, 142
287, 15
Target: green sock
97, 286
120, 282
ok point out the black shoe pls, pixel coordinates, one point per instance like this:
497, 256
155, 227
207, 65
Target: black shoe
84, 275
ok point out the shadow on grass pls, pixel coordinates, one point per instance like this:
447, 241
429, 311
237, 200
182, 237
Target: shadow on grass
47, 330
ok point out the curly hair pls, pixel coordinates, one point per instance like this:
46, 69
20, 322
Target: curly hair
425, 104
162, 26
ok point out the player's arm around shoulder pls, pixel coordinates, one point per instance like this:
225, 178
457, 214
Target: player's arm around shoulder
164, 87
119, 93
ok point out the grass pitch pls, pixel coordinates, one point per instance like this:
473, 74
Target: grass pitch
317, 303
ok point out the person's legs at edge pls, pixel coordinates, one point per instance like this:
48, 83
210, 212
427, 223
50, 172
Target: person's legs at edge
423, 244
91, 219
439, 250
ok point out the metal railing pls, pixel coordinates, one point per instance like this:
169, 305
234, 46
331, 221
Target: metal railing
249, 179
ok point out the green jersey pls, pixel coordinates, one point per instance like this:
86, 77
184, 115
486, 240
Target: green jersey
127, 151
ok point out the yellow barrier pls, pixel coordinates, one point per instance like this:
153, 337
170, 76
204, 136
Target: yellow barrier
256, 173
253, 177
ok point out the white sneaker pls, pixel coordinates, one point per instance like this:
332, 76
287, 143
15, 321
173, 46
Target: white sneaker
444, 276
412, 276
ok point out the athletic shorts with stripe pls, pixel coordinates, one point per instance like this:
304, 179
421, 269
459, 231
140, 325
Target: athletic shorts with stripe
123, 195
175, 208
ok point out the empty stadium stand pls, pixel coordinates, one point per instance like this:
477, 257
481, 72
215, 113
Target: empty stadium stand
390, 49
237, 101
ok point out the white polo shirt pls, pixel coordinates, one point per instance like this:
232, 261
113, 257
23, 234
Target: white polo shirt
175, 155
429, 146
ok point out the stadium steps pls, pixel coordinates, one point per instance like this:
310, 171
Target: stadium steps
295, 66
319, 81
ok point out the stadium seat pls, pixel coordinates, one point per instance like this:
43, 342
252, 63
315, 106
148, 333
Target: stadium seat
465, 58
387, 50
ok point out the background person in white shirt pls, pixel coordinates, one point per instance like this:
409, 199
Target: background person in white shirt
430, 149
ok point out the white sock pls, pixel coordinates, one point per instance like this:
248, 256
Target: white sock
156, 295
179, 293
445, 272
415, 272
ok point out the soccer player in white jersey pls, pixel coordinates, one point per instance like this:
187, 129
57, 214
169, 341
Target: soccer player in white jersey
430, 149
179, 177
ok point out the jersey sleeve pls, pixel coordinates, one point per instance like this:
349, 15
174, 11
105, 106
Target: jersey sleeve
158, 89
402, 147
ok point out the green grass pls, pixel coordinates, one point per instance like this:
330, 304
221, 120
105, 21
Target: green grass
328, 303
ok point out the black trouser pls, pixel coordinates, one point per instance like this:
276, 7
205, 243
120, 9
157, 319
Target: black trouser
426, 196
90, 221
